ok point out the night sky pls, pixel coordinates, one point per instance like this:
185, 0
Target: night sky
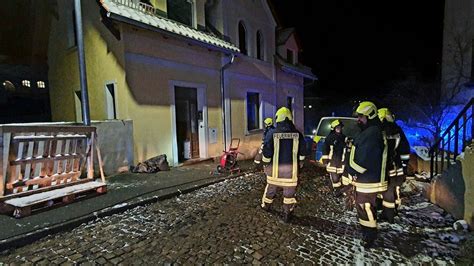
357, 47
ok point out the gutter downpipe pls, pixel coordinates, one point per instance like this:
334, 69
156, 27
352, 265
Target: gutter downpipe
223, 68
86, 119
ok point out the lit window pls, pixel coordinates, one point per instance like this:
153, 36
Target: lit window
26, 83
41, 84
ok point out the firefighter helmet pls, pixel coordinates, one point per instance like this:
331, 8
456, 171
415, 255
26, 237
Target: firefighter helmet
336, 123
268, 121
384, 113
282, 114
368, 109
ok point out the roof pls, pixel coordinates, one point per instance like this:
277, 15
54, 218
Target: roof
299, 69
128, 11
283, 35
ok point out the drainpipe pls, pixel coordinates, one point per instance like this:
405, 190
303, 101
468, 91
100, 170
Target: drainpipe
86, 119
223, 68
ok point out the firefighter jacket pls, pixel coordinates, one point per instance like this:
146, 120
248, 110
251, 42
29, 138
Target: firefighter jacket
398, 149
334, 154
368, 159
346, 180
283, 148
265, 132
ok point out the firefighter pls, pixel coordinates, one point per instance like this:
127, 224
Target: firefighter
268, 125
334, 153
367, 164
397, 160
283, 153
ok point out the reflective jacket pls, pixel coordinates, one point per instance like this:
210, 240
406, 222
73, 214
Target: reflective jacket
334, 152
398, 149
283, 148
347, 154
368, 159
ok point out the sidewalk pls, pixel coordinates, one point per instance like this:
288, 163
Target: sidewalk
125, 191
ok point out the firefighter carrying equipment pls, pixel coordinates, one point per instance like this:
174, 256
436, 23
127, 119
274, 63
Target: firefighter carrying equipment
368, 109
268, 122
385, 114
336, 123
282, 114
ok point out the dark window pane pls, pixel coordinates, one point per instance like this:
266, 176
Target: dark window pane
181, 11
253, 107
289, 56
242, 40
259, 46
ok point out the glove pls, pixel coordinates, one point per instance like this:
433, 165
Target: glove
349, 200
405, 167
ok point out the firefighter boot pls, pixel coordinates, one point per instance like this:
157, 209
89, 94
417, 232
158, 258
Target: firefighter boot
265, 207
286, 217
368, 236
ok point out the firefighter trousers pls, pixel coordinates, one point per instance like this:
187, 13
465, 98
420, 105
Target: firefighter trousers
365, 205
336, 180
391, 198
289, 199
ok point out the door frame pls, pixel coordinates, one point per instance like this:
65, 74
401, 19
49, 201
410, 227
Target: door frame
201, 90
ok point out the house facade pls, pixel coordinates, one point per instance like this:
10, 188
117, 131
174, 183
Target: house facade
190, 74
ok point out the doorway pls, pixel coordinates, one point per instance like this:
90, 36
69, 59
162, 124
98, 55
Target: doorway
187, 122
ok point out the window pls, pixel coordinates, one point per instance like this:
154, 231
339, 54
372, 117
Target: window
260, 46
110, 101
289, 102
26, 83
78, 103
71, 28
181, 11
253, 111
242, 39
40, 84
289, 56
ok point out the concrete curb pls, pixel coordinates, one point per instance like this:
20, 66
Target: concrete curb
25, 239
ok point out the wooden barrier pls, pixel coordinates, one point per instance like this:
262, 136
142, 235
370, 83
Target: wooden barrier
44, 164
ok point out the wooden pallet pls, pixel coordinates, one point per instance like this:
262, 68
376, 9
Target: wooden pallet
24, 206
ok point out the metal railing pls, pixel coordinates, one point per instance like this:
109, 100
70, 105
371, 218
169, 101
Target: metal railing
453, 141
145, 8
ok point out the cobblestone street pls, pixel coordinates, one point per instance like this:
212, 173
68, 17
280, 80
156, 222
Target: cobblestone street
223, 223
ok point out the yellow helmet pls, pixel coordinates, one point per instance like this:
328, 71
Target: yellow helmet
268, 121
282, 114
336, 123
368, 109
384, 113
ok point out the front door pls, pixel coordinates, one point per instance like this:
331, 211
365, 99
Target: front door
187, 132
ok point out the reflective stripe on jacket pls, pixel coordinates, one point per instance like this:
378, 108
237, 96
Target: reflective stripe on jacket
368, 160
283, 149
